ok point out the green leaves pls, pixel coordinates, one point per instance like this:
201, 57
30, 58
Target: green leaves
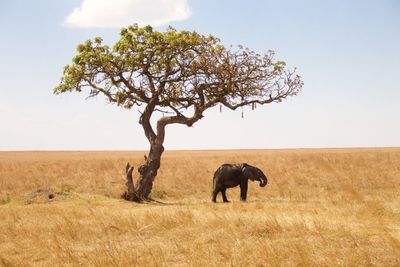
279, 65
176, 70
98, 40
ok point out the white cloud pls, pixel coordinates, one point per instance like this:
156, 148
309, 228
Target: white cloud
120, 13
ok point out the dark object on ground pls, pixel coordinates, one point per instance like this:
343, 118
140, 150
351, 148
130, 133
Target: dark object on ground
40, 196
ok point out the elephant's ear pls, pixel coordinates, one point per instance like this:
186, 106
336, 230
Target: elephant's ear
248, 172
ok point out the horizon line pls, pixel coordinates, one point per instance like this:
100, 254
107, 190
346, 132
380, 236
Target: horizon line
206, 149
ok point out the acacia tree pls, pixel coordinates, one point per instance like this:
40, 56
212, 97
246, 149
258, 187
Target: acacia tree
178, 74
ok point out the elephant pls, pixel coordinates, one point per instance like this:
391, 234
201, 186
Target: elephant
231, 175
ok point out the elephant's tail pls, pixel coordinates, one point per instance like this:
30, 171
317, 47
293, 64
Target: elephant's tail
214, 181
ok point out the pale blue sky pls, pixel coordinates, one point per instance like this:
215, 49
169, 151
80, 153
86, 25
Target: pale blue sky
348, 53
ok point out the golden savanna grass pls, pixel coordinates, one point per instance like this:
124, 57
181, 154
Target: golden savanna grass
322, 207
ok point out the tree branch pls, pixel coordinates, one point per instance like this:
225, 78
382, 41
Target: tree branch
145, 121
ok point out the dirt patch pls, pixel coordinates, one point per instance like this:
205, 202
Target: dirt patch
42, 196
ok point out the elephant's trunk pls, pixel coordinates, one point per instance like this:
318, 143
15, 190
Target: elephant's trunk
263, 181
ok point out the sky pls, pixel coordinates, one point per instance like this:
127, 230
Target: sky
347, 52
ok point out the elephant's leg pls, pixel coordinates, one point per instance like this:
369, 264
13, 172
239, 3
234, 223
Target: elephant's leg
223, 191
243, 189
215, 194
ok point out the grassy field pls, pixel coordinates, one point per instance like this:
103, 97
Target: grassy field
322, 207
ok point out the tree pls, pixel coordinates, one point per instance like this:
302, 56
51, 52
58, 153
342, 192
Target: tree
178, 74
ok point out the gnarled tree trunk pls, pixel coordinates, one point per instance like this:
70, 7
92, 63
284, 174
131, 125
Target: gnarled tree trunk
147, 171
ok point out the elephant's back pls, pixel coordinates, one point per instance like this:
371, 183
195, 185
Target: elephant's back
227, 170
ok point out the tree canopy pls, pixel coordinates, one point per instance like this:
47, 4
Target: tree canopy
177, 70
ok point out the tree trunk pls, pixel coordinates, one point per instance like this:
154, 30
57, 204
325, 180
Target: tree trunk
148, 172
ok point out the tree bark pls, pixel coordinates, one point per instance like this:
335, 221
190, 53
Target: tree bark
148, 172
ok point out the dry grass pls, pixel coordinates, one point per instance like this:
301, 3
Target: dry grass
328, 207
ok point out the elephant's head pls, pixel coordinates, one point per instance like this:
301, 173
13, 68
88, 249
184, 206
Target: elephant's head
254, 174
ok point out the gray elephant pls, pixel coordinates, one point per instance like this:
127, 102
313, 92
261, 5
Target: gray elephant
231, 175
